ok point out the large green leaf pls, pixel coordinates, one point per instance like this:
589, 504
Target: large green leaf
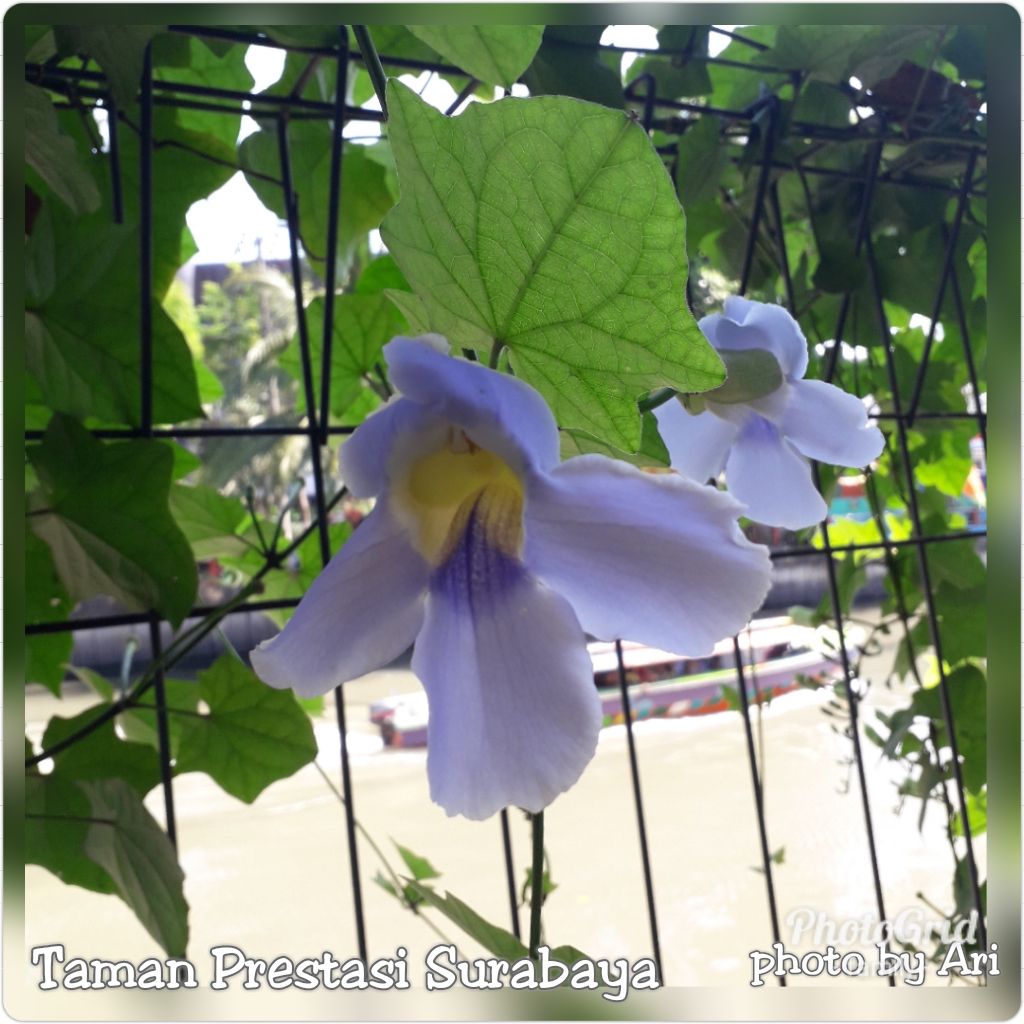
52, 155
249, 736
46, 600
139, 724
550, 226
130, 846
363, 324
495, 54
82, 332
102, 508
118, 49
364, 193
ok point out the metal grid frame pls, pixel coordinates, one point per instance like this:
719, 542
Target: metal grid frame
766, 218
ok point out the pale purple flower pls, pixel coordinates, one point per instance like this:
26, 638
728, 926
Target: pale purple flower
764, 444
494, 558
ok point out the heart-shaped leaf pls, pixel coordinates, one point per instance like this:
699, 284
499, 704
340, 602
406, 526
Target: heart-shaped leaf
549, 225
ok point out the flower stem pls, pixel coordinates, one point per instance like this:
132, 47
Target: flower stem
656, 398
496, 349
536, 882
373, 65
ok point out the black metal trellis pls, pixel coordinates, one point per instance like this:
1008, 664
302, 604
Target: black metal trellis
82, 84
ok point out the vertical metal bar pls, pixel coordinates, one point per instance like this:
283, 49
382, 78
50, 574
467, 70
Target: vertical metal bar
638, 803
852, 697
510, 875
146, 245
333, 207
853, 703
780, 234
940, 294
762, 186
755, 777
113, 131
163, 731
929, 597
291, 209
146, 389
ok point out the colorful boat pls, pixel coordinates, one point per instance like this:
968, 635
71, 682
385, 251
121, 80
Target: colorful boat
777, 655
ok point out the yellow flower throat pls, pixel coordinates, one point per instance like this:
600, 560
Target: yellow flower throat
442, 491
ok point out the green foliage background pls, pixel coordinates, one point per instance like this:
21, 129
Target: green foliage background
620, 276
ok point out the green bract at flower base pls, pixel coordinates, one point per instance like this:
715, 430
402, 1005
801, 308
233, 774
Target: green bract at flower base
495, 559
548, 225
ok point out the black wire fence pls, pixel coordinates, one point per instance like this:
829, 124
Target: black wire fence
766, 227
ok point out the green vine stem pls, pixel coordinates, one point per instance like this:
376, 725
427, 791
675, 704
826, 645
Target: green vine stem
373, 65
536, 881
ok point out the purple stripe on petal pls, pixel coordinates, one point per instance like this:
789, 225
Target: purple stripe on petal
478, 572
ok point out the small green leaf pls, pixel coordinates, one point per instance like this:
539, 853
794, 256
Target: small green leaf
184, 461
497, 941
571, 63
52, 155
957, 564
103, 512
363, 325
297, 576
568, 955
366, 197
204, 62
977, 814
118, 49
823, 103
752, 373
683, 73
127, 842
703, 156
495, 54
652, 453
546, 887
250, 736
549, 225
209, 520
420, 867
380, 274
